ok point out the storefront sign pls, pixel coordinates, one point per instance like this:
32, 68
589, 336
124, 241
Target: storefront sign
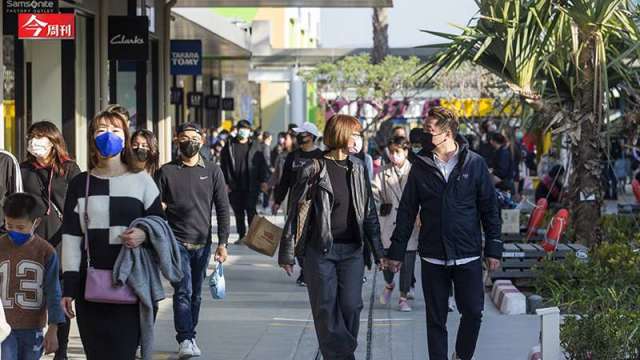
212, 102
195, 99
31, 7
128, 38
227, 104
177, 96
186, 57
46, 26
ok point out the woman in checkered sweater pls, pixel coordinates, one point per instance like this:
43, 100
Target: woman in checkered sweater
116, 196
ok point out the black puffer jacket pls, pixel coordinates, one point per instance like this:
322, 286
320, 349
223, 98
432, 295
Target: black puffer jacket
451, 212
318, 233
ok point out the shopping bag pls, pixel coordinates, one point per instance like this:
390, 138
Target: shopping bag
217, 283
263, 236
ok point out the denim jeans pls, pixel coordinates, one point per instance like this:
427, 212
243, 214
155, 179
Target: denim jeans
23, 345
187, 292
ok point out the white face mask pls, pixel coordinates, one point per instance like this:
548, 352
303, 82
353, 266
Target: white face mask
357, 147
39, 147
398, 158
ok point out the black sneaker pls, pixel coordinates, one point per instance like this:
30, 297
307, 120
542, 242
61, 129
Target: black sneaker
300, 281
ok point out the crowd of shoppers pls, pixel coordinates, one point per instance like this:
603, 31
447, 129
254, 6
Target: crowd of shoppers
98, 241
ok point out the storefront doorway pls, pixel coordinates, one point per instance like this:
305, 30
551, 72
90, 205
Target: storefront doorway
51, 80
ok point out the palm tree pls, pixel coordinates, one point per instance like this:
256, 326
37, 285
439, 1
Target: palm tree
380, 24
561, 57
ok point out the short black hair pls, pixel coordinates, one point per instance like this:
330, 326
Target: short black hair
243, 124
498, 138
21, 206
399, 141
416, 135
266, 135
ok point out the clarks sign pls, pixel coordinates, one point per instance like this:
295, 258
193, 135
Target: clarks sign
129, 38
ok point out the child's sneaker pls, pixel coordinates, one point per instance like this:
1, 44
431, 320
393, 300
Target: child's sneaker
404, 305
386, 294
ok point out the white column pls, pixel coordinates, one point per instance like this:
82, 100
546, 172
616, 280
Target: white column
550, 333
165, 132
103, 34
297, 93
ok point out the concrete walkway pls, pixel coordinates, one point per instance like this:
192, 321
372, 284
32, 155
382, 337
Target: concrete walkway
266, 316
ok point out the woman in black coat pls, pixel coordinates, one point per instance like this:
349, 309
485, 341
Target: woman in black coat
46, 174
342, 218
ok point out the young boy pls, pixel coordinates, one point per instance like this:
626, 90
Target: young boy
29, 285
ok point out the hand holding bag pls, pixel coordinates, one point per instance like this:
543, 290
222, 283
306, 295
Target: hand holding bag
217, 283
304, 206
99, 286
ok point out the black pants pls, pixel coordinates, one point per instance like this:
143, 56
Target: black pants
63, 339
108, 331
243, 204
406, 272
334, 282
300, 260
469, 295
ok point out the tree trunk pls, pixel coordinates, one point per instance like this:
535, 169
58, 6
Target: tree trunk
380, 21
585, 191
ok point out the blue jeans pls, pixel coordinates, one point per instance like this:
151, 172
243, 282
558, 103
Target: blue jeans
23, 345
187, 293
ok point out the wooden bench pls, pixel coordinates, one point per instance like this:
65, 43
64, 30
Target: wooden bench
518, 260
628, 208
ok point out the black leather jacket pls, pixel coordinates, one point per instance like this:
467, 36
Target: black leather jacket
318, 233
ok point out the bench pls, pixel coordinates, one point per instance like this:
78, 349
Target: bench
518, 260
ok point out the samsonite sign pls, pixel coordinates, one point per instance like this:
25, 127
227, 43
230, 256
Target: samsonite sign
46, 26
128, 38
186, 57
31, 7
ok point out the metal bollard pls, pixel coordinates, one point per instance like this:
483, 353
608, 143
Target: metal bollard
550, 333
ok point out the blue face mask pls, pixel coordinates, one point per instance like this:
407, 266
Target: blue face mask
19, 238
109, 144
244, 133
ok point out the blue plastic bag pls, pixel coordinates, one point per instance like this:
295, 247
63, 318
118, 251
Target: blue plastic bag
217, 283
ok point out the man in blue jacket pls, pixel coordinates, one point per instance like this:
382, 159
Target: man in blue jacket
451, 187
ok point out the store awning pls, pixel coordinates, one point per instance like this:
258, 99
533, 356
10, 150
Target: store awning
220, 39
312, 57
287, 3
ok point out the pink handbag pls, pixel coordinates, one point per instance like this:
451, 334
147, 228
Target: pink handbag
99, 286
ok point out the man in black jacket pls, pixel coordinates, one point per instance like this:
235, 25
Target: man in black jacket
451, 187
306, 136
503, 164
190, 188
246, 172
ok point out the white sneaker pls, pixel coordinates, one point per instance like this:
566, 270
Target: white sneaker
196, 349
455, 357
185, 350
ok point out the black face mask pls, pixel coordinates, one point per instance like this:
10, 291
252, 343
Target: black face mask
141, 154
302, 139
427, 142
190, 148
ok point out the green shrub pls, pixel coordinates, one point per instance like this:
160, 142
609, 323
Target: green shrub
603, 292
